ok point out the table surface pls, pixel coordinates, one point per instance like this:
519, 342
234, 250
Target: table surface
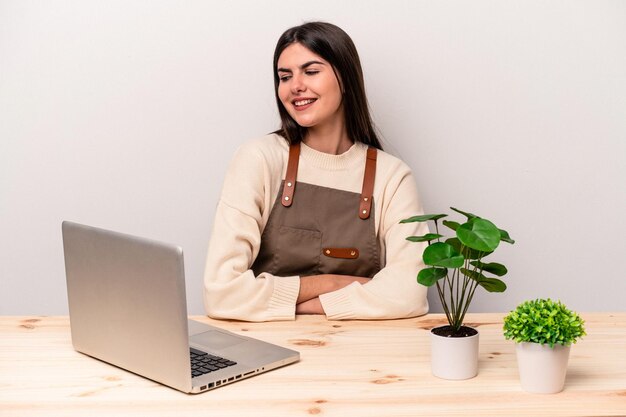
347, 368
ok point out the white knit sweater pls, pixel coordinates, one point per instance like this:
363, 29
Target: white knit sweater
232, 291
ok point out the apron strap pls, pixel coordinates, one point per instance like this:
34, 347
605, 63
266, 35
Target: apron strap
368, 184
367, 191
290, 177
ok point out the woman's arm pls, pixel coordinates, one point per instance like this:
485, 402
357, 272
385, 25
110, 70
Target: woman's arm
315, 285
311, 287
231, 289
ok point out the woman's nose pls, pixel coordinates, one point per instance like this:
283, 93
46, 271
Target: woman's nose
297, 84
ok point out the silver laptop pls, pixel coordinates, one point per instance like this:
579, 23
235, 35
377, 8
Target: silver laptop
128, 307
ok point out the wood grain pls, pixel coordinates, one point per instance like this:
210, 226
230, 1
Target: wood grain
354, 368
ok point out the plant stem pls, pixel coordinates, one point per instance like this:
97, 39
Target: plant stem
469, 300
442, 298
462, 301
453, 306
459, 297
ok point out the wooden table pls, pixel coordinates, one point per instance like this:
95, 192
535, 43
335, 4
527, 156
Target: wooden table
355, 368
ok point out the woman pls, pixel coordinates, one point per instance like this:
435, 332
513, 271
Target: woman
308, 218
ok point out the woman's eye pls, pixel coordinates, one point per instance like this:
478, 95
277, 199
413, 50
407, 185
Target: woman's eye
311, 72
284, 78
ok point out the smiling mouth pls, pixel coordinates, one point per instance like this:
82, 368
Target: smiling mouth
303, 102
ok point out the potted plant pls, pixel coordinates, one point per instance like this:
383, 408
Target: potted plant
457, 269
544, 331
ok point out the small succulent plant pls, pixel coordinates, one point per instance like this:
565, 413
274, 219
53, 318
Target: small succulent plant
543, 321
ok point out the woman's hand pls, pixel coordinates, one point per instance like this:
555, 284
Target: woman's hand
316, 285
313, 286
313, 306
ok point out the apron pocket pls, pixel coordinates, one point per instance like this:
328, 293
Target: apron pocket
298, 251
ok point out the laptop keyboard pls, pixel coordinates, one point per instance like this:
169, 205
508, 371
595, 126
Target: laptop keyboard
203, 363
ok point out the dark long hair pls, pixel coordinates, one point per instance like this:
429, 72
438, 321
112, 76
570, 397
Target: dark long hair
335, 46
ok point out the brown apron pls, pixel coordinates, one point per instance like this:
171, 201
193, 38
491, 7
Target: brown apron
320, 230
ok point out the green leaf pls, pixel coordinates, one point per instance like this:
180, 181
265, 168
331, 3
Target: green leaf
492, 284
442, 254
493, 267
468, 253
476, 276
428, 276
423, 218
469, 216
425, 238
479, 234
504, 236
452, 225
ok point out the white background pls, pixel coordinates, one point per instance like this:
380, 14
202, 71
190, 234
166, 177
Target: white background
124, 115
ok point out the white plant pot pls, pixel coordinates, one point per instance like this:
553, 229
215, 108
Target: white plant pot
454, 357
542, 369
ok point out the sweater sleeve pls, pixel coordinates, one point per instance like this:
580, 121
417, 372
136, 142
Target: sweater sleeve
231, 290
393, 292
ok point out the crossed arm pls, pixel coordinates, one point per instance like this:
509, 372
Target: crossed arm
311, 287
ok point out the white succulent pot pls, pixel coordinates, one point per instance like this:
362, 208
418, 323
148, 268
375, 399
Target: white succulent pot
454, 357
542, 369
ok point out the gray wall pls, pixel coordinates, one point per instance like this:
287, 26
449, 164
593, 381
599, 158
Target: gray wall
125, 114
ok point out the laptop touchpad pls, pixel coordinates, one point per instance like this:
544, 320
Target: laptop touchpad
214, 339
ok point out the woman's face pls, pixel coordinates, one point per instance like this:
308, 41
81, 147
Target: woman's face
308, 88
